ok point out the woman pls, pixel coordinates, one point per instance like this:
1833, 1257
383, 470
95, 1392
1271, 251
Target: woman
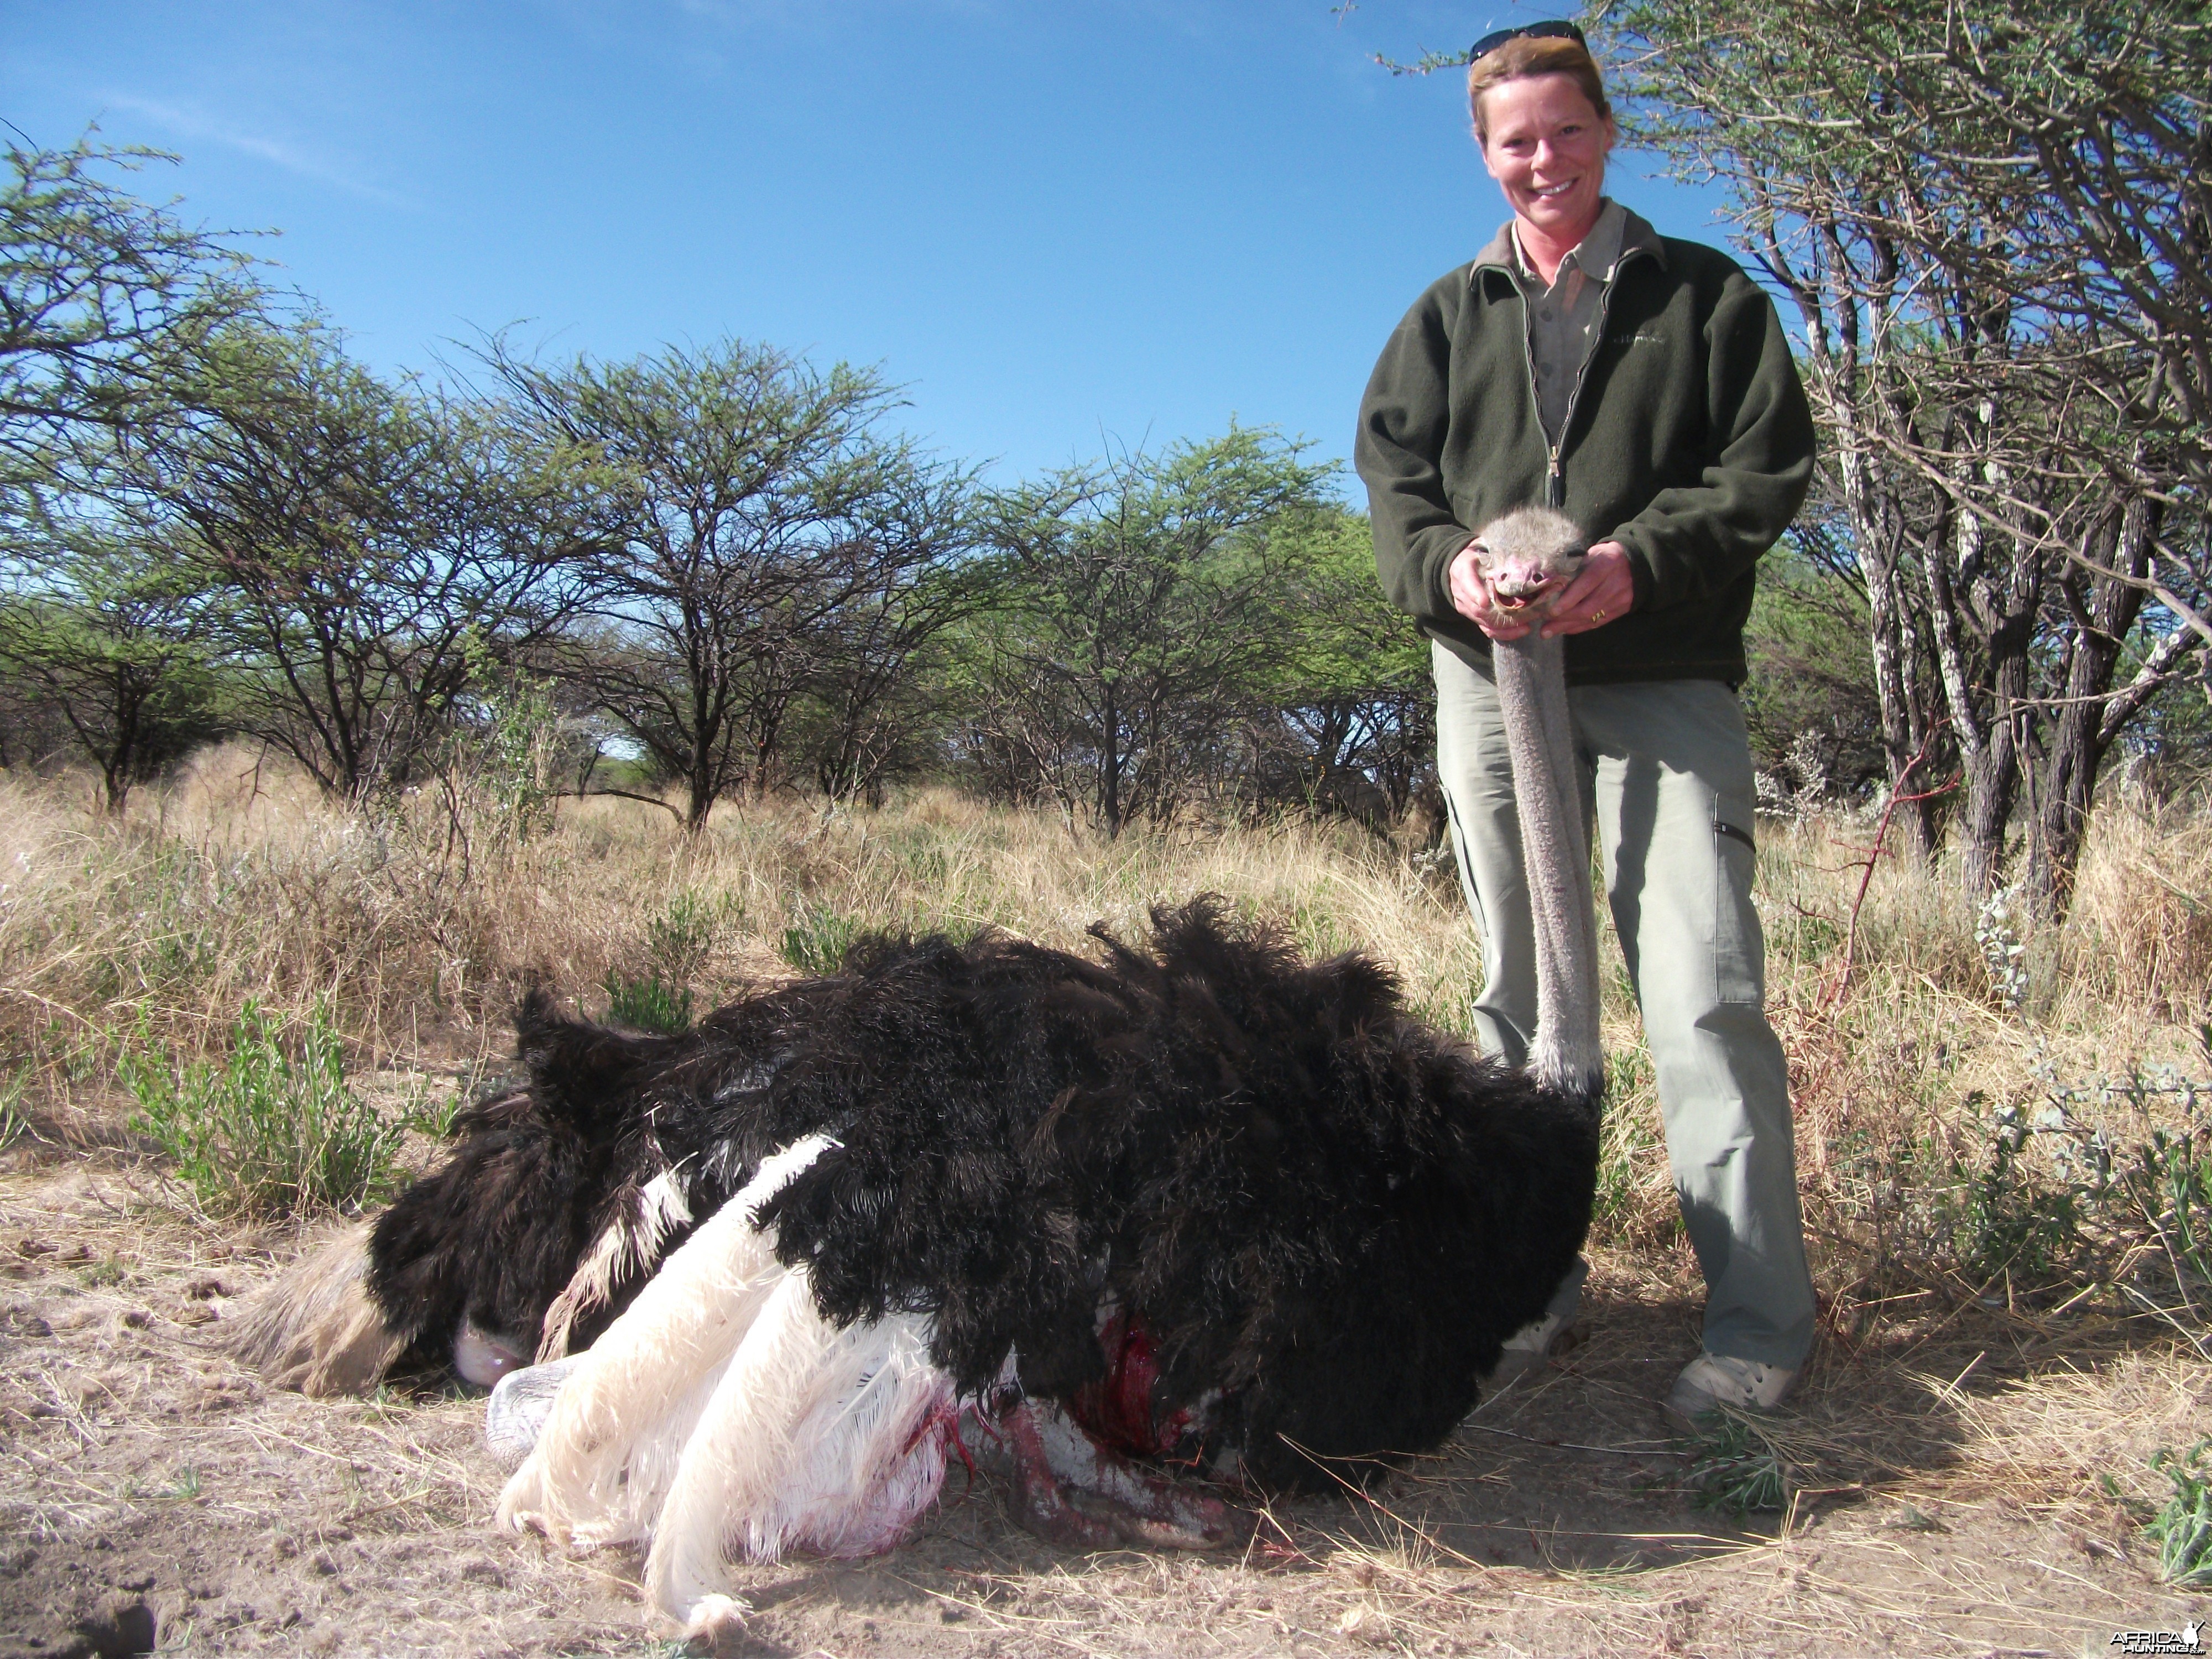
1643, 385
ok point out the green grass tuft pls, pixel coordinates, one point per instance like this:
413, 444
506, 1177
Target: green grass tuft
2183, 1527
1734, 1466
818, 940
14, 1122
676, 940
648, 1002
269, 1131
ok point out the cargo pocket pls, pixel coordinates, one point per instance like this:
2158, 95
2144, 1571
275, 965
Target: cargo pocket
1739, 947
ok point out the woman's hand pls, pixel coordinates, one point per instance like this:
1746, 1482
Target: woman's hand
1471, 598
1600, 592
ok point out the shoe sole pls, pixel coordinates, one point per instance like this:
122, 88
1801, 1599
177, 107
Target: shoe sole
1685, 1419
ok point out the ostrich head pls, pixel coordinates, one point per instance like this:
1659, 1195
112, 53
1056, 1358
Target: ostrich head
1529, 556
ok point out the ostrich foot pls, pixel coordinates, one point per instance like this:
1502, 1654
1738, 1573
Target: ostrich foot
1072, 1492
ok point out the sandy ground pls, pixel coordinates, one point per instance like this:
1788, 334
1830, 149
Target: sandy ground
154, 1497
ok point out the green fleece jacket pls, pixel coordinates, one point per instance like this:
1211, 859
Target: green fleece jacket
1689, 441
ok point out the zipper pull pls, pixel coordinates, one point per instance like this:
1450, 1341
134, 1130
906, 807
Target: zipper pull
1555, 487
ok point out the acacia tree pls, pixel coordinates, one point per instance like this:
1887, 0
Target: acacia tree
1809, 703
1343, 715
357, 536
1141, 605
881, 681
106, 304
1992, 220
112, 637
753, 509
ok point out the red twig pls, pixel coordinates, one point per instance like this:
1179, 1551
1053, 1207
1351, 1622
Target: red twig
1866, 865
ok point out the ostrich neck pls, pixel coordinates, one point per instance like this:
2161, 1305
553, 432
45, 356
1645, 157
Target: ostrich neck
1532, 691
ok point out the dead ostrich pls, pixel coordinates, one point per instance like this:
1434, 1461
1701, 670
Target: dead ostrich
1193, 1216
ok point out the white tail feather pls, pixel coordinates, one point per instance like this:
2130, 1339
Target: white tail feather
630, 1244
865, 1464
612, 1442
818, 1438
723, 1414
740, 1451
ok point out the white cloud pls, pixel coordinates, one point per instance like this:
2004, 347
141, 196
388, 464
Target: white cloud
292, 158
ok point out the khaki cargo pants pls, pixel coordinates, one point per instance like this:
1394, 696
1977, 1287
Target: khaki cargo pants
1666, 766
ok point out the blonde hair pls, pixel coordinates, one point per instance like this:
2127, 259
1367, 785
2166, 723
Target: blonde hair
1535, 55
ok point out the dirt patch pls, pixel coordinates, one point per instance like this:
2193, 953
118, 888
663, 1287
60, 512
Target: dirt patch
153, 1496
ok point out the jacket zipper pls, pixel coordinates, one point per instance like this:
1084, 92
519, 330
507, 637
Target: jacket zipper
1555, 487
1555, 483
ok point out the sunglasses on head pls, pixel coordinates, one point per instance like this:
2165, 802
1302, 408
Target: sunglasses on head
1551, 28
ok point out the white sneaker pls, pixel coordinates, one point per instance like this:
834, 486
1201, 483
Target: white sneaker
1714, 1380
1528, 1348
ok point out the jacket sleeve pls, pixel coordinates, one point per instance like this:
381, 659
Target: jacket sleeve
1398, 449
1691, 542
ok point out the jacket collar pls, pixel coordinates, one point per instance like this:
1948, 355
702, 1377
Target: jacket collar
1636, 237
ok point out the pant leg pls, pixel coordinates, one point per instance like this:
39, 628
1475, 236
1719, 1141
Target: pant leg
1476, 775
1673, 762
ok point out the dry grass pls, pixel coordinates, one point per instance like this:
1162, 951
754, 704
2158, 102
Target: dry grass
1990, 1409
237, 881
416, 928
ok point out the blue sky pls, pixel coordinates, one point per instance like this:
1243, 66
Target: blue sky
1056, 225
